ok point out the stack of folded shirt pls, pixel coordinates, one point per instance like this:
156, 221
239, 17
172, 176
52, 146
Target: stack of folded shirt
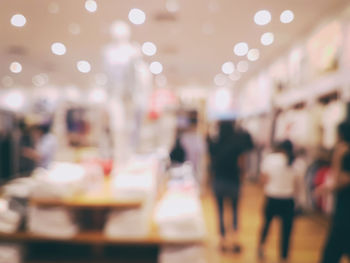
186, 254
9, 219
135, 222
51, 222
179, 216
10, 253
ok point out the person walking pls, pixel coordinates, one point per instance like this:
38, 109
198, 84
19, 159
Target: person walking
280, 185
338, 241
226, 153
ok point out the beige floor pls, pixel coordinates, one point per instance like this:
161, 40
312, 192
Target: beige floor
307, 238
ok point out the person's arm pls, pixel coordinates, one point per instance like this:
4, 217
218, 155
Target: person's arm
342, 181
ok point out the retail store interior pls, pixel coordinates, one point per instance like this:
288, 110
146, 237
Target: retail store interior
167, 131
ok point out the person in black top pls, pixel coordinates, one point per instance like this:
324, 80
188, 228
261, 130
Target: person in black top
226, 158
178, 154
338, 242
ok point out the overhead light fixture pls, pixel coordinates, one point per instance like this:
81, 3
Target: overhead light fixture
137, 16
235, 76
18, 20
267, 39
149, 48
156, 67
242, 66
15, 67
253, 54
91, 6
58, 49
74, 29
228, 67
241, 49
220, 79
83, 66
287, 16
40, 80
262, 17
54, 8
172, 6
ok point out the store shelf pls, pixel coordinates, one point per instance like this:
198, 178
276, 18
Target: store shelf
96, 237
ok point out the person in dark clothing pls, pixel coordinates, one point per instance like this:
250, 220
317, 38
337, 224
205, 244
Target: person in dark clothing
338, 241
226, 159
26, 165
178, 154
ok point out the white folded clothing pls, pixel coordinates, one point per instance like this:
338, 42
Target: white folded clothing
59, 181
183, 254
10, 253
9, 220
131, 186
20, 188
51, 222
180, 216
135, 222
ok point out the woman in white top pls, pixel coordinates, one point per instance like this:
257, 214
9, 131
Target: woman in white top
279, 180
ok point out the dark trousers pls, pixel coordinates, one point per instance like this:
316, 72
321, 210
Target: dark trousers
338, 243
284, 209
234, 198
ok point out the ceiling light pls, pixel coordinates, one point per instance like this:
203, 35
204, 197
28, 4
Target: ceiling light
15, 67
54, 8
97, 95
149, 49
83, 66
40, 80
156, 67
101, 79
18, 20
253, 54
7, 81
235, 76
267, 38
91, 6
287, 16
58, 48
172, 6
14, 100
74, 29
242, 66
161, 81
228, 68
241, 49
220, 79
262, 17
137, 16
120, 30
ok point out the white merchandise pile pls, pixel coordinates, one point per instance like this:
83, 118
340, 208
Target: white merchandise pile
137, 182
9, 219
185, 254
10, 253
51, 222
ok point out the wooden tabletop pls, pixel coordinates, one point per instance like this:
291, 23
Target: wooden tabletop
97, 199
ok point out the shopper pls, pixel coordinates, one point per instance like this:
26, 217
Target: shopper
26, 164
45, 146
226, 152
279, 179
177, 154
194, 146
338, 242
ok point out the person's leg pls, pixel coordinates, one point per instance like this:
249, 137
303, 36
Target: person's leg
268, 216
333, 250
235, 203
287, 216
220, 204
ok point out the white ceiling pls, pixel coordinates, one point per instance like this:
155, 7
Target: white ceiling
187, 53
